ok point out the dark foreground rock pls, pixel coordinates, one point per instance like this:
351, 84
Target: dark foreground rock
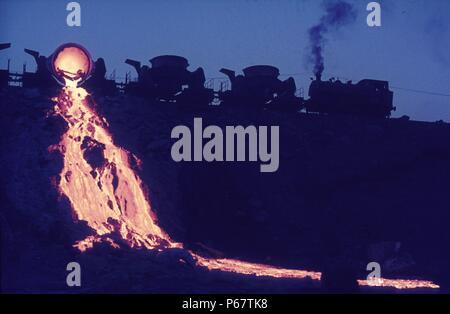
345, 188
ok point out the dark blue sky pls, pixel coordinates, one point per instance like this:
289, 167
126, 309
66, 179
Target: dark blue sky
411, 49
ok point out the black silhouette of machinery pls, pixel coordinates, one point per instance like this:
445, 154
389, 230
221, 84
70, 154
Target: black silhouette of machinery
42, 78
260, 87
98, 82
366, 98
4, 74
168, 79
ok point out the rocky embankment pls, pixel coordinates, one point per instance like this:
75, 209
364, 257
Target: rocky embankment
348, 191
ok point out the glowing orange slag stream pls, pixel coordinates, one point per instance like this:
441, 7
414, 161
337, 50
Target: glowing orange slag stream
105, 191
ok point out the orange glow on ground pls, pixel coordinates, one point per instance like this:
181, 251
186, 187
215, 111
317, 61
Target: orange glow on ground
398, 283
110, 197
246, 268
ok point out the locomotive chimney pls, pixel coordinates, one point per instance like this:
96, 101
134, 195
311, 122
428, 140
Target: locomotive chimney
318, 76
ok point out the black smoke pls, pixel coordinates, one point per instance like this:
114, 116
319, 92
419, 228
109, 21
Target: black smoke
337, 13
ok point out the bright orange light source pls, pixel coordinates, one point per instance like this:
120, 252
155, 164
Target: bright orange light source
71, 64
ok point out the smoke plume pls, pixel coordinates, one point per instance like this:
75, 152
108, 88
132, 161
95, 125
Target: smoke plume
337, 13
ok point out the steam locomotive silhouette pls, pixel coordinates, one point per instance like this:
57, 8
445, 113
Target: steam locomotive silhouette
259, 87
365, 98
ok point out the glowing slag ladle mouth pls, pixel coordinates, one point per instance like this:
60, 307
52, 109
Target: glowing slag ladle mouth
105, 191
71, 64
